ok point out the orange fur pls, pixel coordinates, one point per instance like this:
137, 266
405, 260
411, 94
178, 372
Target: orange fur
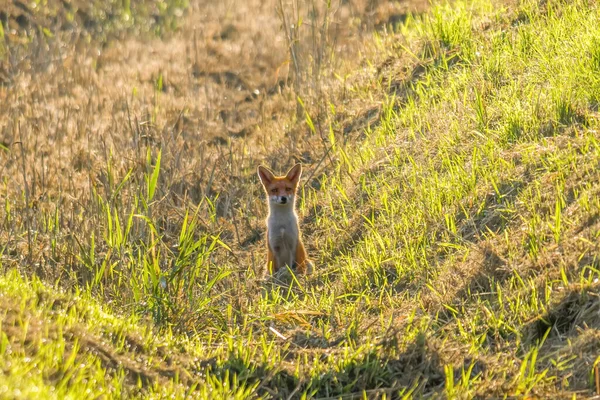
301, 258
270, 259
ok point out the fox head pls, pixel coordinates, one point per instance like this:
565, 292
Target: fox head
280, 189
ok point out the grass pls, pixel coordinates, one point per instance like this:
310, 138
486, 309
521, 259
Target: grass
451, 205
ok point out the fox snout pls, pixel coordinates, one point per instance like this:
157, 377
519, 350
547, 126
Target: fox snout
281, 199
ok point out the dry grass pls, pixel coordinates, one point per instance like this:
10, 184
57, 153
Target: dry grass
213, 95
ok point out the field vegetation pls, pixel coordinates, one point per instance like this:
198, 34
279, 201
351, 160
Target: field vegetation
450, 199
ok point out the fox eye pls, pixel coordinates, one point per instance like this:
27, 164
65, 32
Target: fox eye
273, 190
288, 189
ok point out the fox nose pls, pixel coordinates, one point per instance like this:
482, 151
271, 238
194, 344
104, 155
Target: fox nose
283, 199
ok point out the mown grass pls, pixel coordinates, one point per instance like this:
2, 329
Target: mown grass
455, 238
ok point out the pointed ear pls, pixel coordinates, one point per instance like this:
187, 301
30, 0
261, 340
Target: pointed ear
294, 173
265, 175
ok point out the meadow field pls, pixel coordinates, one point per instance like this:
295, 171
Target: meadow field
450, 199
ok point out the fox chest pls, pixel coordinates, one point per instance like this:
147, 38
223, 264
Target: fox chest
283, 235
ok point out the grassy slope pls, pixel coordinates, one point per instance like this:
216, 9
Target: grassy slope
478, 196
456, 238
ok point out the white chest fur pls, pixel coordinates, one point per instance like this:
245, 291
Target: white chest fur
282, 226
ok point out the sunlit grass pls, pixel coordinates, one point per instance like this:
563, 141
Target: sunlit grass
456, 241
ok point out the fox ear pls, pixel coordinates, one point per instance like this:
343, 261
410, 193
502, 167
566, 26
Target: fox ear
265, 175
294, 173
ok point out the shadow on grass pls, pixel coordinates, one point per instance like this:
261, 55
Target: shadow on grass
578, 309
418, 369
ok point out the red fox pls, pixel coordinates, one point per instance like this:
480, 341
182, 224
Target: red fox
284, 243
